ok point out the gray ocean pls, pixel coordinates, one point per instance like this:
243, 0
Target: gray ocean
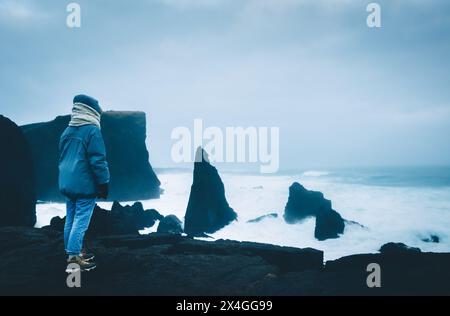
393, 204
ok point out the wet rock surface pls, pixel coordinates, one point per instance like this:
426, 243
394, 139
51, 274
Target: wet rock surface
128, 219
168, 264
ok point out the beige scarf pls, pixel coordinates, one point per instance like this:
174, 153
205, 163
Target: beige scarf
84, 115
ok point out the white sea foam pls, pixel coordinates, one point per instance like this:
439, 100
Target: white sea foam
315, 173
399, 214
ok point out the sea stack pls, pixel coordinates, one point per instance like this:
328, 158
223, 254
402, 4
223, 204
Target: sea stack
329, 224
124, 133
208, 209
170, 224
303, 203
17, 187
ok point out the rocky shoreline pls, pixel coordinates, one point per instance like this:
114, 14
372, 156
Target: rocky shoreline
32, 262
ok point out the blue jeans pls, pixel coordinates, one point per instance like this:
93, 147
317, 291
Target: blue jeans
78, 217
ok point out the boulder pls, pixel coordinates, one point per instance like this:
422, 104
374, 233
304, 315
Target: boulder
303, 203
121, 220
133, 216
57, 223
170, 224
329, 224
124, 133
432, 238
208, 209
393, 248
17, 186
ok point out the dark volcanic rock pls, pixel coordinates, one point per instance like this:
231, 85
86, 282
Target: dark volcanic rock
157, 264
259, 219
132, 177
432, 238
347, 222
303, 203
402, 273
17, 186
329, 224
167, 264
397, 248
131, 218
207, 210
57, 223
284, 258
170, 224
121, 220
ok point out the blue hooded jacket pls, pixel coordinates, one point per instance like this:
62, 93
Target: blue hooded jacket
82, 158
82, 162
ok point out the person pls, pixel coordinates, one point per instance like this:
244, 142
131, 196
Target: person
83, 176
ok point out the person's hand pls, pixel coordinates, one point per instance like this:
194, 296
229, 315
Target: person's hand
103, 190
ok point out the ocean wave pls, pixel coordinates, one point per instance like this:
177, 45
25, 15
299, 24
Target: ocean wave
315, 173
405, 214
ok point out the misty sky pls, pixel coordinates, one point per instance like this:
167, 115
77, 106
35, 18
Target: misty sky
342, 94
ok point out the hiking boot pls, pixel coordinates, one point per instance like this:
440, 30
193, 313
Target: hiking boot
87, 256
83, 265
